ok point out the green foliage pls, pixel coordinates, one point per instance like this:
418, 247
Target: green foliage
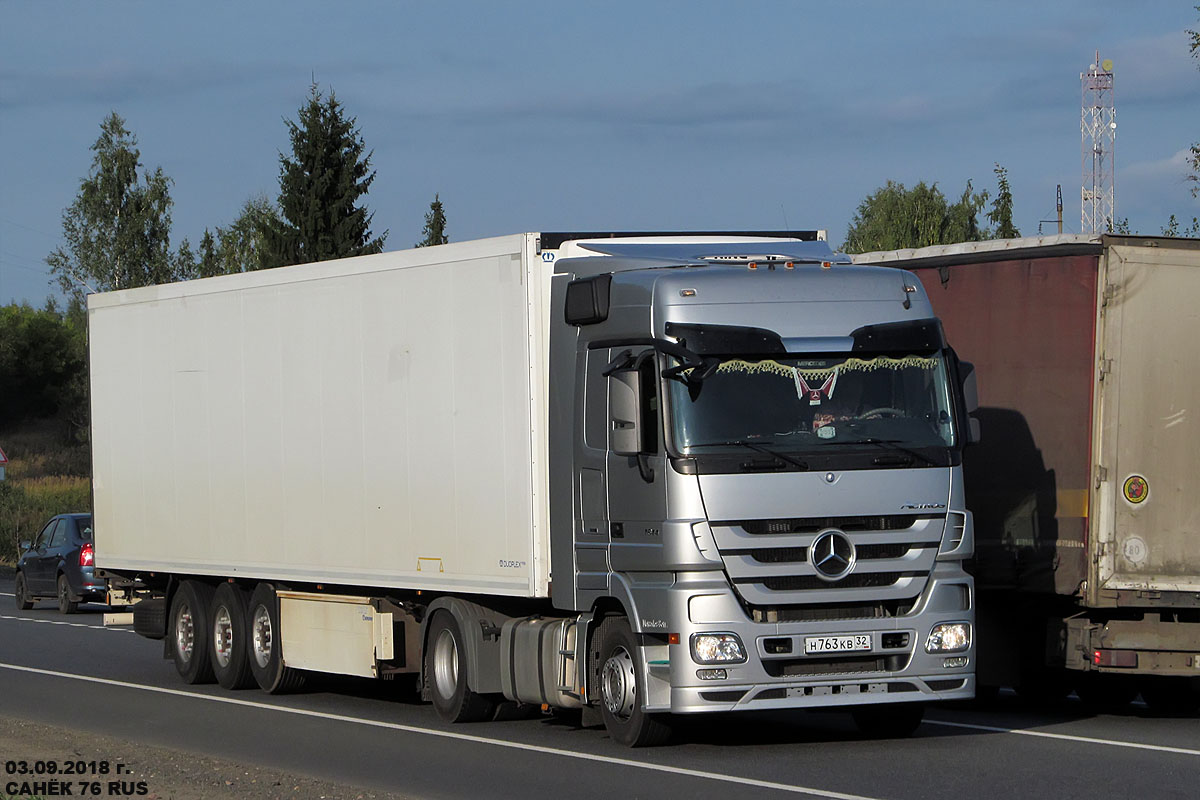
1120, 226
240, 247
894, 217
47, 474
1194, 154
43, 360
435, 224
118, 229
319, 188
1174, 228
1002, 207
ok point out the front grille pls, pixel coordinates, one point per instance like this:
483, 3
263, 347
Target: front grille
860, 580
947, 684
889, 522
824, 666
820, 612
730, 696
799, 555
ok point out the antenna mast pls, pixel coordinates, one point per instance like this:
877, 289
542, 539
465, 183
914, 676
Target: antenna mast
1098, 129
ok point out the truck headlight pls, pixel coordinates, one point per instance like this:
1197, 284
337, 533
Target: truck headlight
949, 637
717, 648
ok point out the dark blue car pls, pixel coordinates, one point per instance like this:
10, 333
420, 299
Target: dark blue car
60, 563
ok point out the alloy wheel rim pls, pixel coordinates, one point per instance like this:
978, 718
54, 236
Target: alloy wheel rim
185, 632
223, 636
262, 636
445, 664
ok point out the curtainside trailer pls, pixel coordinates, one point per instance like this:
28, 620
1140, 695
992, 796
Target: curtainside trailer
1085, 484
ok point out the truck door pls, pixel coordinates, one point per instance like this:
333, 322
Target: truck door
591, 501
636, 484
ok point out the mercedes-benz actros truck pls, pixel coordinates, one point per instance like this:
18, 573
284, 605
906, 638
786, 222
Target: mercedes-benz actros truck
644, 476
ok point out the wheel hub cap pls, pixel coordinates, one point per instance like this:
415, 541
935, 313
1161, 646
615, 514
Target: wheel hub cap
223, 636
619, 684
261, 636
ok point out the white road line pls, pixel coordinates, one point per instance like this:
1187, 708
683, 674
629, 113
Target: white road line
464, 737
68, 624
1067, 737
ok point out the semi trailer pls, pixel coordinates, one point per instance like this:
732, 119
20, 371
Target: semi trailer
642, 476
1085, 484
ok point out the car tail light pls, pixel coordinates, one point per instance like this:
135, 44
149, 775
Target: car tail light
87, 555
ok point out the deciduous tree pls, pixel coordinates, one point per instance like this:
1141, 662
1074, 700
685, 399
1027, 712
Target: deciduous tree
1002, 207
895, 217
118, 229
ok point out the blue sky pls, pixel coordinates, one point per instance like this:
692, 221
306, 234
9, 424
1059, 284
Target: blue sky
591, 116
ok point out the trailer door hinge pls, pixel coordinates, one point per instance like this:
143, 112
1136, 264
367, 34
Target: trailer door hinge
1105, 367
1109, 291
1101, 475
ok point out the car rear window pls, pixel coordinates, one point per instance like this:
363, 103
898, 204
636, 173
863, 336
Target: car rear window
85, 528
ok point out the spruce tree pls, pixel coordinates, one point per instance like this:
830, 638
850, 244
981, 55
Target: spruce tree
435, 224
320, 186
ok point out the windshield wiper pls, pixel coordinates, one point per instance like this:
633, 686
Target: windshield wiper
760, 448
892, 444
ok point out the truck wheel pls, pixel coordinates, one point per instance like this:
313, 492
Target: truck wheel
230, 663
617, 655
1104, 693
446, 673
1170, 695
65, 604
24, 601
189, 631
265, 650
888, 721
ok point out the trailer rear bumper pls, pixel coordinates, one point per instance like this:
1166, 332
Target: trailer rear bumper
1142, 647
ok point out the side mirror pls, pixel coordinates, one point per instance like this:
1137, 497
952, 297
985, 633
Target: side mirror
25, 545
970, 400
624, 408
970, 386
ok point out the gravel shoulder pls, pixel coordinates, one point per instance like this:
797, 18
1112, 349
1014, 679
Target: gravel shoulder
153, 773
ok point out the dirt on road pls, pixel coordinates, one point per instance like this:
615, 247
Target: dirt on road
30, 752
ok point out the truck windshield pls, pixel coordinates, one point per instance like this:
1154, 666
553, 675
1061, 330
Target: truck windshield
810, 404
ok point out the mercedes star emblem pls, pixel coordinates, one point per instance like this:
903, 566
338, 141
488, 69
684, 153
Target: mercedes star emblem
831, 555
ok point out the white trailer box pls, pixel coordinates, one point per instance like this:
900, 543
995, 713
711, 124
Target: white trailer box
377, 421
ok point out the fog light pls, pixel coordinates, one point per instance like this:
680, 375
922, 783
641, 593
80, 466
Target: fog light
712, 674
717, 648
956, 661
949, 637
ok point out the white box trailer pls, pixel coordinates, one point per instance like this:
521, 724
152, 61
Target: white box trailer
375, 421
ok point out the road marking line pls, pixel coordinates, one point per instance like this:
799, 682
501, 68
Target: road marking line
465, 737
1065, 736
68, 624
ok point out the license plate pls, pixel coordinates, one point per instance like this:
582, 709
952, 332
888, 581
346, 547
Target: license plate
837, 644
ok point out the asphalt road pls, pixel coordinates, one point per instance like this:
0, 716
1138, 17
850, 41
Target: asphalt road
72, 672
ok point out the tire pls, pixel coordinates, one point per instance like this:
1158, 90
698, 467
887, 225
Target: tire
445, 673
617, 665
264, 651
189, 630
150, 618
889, 721
1171, 695
1105, 693
65, 604
230, 638
21, 590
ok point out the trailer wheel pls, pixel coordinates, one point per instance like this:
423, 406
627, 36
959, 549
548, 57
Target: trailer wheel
65, 604
21, 590
620, 693
446, 673
888, 721
265, 651
230, 638
189, 631
1171, 695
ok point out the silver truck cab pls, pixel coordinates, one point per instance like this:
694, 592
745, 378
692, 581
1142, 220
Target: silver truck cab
760, 451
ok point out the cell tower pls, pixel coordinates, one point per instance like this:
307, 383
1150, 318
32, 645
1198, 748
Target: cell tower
1098, 127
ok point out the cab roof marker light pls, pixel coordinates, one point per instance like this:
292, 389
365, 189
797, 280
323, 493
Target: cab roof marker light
826, 265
